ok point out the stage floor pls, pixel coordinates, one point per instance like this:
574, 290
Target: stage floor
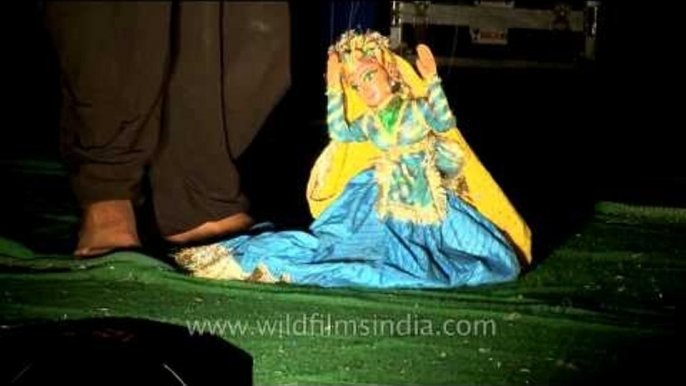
602, 306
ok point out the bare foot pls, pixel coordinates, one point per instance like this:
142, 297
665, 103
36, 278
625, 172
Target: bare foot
211, 229
107, 225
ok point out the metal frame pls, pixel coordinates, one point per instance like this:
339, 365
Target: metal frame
502, 17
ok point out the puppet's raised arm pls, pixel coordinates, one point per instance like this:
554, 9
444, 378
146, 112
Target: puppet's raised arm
436, 110
339, 128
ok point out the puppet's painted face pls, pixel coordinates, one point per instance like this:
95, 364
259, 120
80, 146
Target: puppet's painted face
372, 83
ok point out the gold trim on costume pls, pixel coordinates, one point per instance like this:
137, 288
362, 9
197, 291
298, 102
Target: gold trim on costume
385, 207
210, 261
216, 262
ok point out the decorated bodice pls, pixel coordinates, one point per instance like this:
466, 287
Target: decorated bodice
416, 164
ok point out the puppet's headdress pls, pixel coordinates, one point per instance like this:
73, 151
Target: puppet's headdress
355, 47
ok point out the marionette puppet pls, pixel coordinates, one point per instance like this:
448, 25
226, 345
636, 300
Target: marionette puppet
399, 198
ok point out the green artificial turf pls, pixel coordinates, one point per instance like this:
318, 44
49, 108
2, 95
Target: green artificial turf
603, 306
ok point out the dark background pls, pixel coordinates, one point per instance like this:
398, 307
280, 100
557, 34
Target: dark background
555, 140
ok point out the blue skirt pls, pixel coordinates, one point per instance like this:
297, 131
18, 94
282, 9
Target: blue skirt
348, 245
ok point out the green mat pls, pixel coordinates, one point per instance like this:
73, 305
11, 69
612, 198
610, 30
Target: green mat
603, 306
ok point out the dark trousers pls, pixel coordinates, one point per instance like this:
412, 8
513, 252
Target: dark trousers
178, 89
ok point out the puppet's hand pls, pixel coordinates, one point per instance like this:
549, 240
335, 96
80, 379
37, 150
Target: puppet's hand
333, 73
426, 64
